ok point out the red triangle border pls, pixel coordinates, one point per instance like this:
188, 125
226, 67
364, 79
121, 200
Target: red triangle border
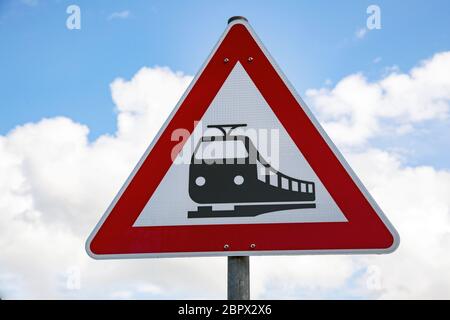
367, 229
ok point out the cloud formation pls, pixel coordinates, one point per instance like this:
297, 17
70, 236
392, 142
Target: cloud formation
356, 110
56, 183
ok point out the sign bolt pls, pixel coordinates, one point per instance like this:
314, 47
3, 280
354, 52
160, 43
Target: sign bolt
226, 60
250, 59
226, 247
253, 246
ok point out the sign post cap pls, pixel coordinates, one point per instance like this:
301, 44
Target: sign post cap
233, 18
221, 211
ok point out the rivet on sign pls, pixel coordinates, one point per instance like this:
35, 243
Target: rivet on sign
226, 60
253, 246
226, 247
250, 59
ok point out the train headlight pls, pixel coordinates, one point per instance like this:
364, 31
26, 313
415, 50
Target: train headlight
200, 181
238, 180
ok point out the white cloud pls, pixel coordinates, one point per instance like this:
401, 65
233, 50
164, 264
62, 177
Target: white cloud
377, 60
299, 277
356, 110
361, 33
119, 15
56, 183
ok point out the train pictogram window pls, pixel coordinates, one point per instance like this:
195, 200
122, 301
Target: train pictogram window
310, 188
214, 150
294, 186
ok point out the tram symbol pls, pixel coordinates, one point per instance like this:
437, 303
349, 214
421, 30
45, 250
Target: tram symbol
228, 169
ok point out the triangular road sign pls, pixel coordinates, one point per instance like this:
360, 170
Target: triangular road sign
241, 167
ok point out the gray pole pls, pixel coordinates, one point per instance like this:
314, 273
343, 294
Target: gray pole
239, 278
238, 267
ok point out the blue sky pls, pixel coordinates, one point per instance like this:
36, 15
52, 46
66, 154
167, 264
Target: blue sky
48, 70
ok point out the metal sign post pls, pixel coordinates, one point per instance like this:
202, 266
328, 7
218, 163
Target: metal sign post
239, 278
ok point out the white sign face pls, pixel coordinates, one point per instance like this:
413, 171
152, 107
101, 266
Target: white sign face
239, 99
